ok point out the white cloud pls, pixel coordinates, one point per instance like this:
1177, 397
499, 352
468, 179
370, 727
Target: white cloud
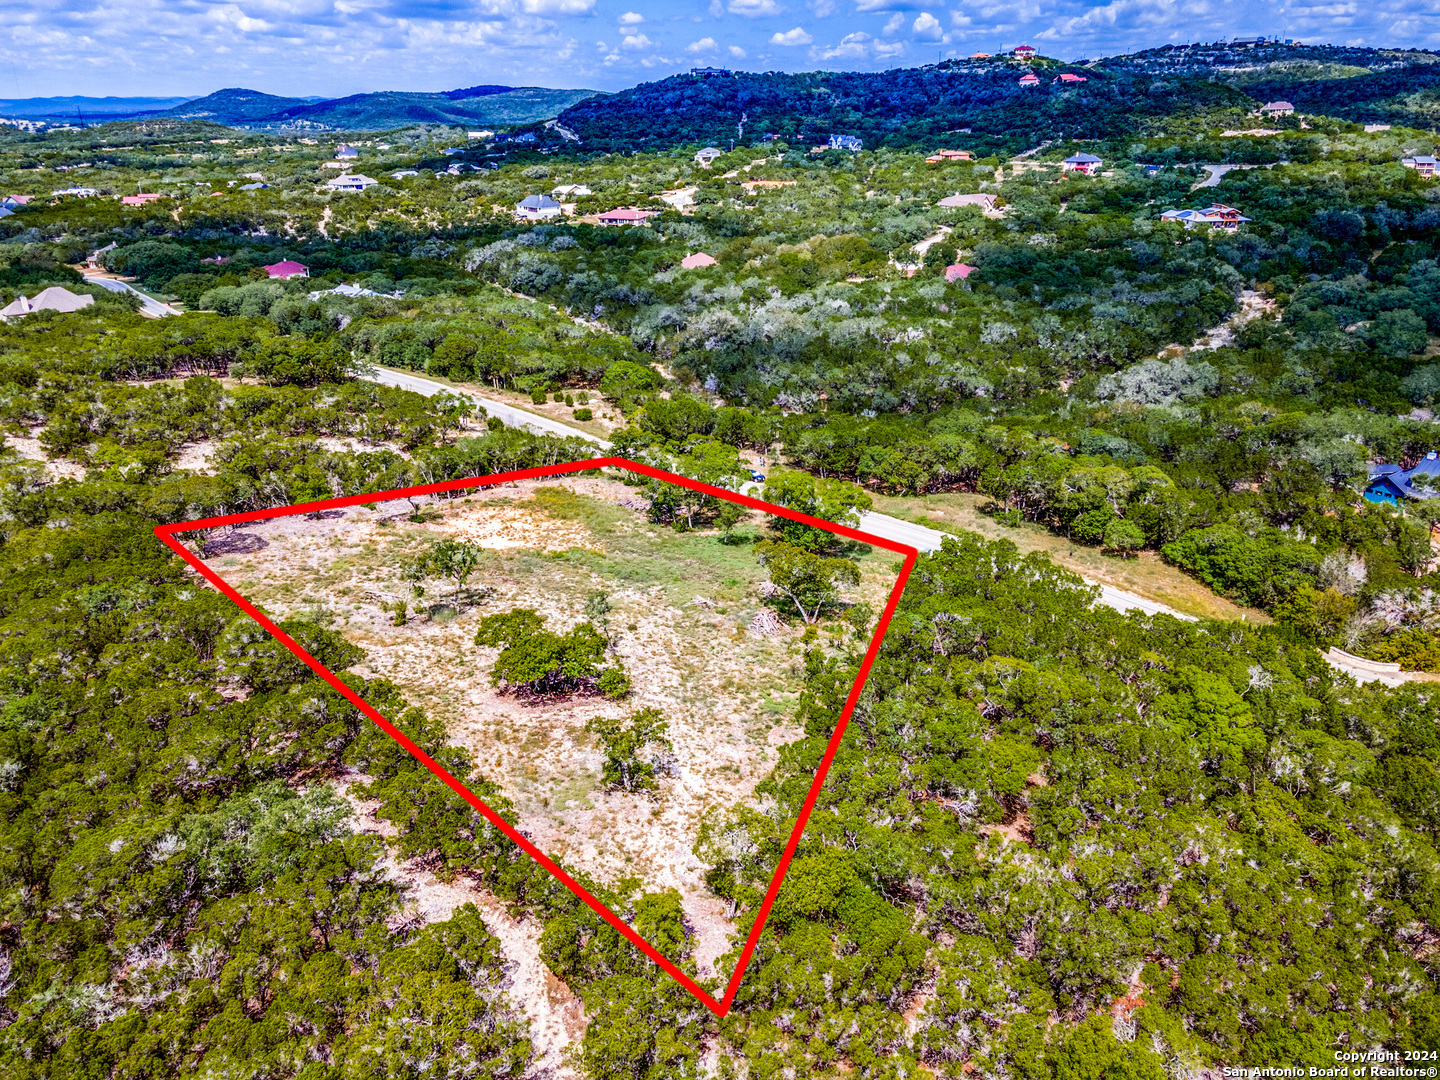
717, 8
705, 44
556, 7
854, 46
822, 8
791, 37
754, 9
927, 26
637, 41
631, 18
893, 26
737, 52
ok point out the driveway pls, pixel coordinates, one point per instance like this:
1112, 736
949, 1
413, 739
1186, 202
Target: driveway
148, 304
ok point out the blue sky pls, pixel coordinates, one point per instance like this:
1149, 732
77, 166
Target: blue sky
336, 47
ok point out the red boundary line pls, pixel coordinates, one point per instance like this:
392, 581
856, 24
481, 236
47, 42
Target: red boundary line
720, 1008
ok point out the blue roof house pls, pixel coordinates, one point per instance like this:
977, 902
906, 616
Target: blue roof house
1391, 483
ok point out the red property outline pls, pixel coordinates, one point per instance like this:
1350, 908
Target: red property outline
720, 1008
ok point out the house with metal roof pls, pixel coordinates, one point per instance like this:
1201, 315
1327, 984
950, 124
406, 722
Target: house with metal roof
1088, 164
1029, 81
1391, 483
537, 207
626, 215
1216, 215
704, 158
844, 142
1069, 79
1423, 164
1277, 108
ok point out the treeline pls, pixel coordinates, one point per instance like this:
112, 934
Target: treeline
1112, 846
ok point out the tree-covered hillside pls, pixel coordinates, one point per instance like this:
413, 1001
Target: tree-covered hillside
901, 107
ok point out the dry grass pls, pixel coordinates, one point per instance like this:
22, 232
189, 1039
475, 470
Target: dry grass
679, 606
1145, 574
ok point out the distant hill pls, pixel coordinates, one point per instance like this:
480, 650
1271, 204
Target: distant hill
504, 105
50, 108
933, 105
235, 106
899, 107
1396, 86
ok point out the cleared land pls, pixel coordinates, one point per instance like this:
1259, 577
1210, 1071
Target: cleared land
680, 607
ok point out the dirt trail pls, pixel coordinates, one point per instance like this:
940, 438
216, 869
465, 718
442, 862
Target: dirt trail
556, 1016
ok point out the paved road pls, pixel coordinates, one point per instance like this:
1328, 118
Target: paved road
891, 528
148, 304
1217, 173
509, 415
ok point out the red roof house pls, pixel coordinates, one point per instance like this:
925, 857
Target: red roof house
626, 215
141, 199
1068, 78
1024, 51
287, 268
959, 271
697, 260
1028, 81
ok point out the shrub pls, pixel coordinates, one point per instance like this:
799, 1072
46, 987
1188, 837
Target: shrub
582, 414
538, 396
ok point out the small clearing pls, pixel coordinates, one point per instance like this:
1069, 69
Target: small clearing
680, 605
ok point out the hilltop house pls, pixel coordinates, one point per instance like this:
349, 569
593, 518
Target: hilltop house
1024, 52
351, 182
1216, 215
1088, 164
1069, 79
537, 207
343, 151
1391, 483
1425, 165
983, 199
696, 261
52, 299
844, 142
286, 269
959, 271
1277, 108
706, 157
979, 56
950, 155
626, 215
712, 73
1029, 82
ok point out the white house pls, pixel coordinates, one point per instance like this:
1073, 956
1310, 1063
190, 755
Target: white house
52, 299
351, 182
343, 151
706, 157
844, 142
575, 191
537, 207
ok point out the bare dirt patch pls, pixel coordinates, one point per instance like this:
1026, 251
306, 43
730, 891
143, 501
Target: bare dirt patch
680, 605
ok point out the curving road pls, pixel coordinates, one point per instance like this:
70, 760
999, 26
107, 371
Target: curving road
509, 415
148, 304
883, 525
